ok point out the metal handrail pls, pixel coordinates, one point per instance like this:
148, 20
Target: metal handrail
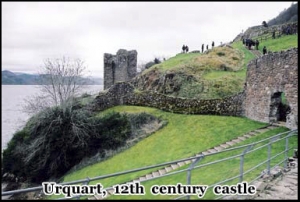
197, 157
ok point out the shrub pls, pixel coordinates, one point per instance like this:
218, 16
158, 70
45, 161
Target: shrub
220, 54
149, 64
55, 140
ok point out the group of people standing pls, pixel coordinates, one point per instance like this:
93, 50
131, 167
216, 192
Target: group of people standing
212, 46
249, 42
185, 48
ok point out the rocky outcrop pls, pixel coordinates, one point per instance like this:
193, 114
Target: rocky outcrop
259, 30
168, 83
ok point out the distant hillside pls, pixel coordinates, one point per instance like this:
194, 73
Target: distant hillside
287, 15
11, 78
17, 78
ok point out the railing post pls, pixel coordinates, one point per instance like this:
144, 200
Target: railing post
269, 153
269, 158
242, 161
84, 183
189, 175
286, 150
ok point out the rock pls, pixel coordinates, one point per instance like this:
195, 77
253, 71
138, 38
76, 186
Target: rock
260, 186
295, 153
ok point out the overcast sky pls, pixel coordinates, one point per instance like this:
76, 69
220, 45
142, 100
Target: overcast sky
34, 31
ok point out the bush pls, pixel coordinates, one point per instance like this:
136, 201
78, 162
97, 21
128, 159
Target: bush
149, 64
55, 140
220, 54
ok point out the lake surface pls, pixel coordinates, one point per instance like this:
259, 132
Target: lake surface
12, 116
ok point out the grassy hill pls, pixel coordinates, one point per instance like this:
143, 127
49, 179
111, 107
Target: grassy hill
217, 73
213, 74
279, 44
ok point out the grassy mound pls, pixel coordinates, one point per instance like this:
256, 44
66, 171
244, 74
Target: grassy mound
189, 75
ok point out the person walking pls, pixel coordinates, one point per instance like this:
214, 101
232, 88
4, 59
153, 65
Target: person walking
183, 48
256, 44
202, 48
213, 44
264, 50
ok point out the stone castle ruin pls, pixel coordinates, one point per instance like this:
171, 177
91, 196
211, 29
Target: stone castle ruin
270, 93
270, 80
119, 67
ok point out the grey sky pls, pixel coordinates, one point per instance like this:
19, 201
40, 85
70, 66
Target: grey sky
34, 31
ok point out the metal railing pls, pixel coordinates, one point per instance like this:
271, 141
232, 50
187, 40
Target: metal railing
246, 149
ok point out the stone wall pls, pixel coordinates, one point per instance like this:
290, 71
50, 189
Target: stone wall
124, 93
267, 77
119, 67
259, 30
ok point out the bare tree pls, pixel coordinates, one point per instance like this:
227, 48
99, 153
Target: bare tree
60, 81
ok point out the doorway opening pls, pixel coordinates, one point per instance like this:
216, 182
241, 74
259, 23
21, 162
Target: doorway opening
279, 107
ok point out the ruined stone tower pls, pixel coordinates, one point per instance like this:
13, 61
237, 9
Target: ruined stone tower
269, 77
119, 67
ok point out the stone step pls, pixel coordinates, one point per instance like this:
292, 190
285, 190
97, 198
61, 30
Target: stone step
149, 176
247, 136
230, 143
218, 148
155, 174
212, 151
236, 140
142, 178
169, 168
253, 133
242, 138
188, 161
206, 152
174, 166
180, 164
111, 191
264, 130
162, 171
98, 197
224, 145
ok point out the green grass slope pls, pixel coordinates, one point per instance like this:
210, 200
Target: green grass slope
184, 136
214, 173
279, 44
193, 74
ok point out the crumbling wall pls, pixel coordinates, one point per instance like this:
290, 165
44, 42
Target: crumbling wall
119, 67
267, 77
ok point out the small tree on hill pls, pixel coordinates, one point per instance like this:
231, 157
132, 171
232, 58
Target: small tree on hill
61, 80
156, 61
264, 24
